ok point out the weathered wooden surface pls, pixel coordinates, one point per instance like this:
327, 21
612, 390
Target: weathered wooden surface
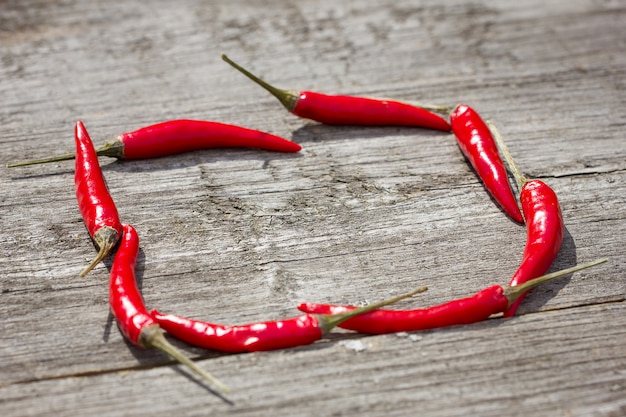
360, 214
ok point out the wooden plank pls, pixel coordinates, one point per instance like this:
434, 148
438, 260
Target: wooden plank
236, 236
338, 256
545, 364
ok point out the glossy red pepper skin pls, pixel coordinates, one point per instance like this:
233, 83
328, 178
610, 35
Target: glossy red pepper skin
477, 144
362, 111
129, 310
178, 136
270, 335
348, 110
544, 224
463, 311
125, 299
491, 300
94, 201
544, 229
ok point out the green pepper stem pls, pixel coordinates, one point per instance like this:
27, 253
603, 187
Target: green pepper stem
65, 157
152, 337
329, 321
517, 173
113, 148
514, 292
288, 98
106, 239
442, 109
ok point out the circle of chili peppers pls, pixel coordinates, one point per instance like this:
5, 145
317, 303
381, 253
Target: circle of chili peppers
479, 141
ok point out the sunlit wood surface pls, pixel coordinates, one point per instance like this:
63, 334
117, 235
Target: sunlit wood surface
238, 235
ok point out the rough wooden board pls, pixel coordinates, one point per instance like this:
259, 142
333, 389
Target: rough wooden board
545, 364
240, 235
236, 280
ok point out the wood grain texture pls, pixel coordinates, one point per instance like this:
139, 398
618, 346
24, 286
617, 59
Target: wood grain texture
449, 372
236, 236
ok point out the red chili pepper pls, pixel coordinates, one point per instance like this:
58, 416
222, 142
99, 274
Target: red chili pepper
478, 146
129, 310
270, 335
350, 110
480, 306
178, 136
544, 224
94, 201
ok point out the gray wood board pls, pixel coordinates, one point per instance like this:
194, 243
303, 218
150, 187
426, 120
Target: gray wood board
238, 235
538, 364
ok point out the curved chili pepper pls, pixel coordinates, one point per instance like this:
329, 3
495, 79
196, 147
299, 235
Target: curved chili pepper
478, 146
130, 312
544, 224
480, 306
349, 110
269, 335
94, 201
178, 136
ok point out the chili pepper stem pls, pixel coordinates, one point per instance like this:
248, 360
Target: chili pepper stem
435, 108
288, 98
441, 109
113, 148
514, 292
329, 321
65, 157
106, 239
152, 337
517, 173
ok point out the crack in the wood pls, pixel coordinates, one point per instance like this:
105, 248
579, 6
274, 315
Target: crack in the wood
612, 300
585, 174
335, 255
